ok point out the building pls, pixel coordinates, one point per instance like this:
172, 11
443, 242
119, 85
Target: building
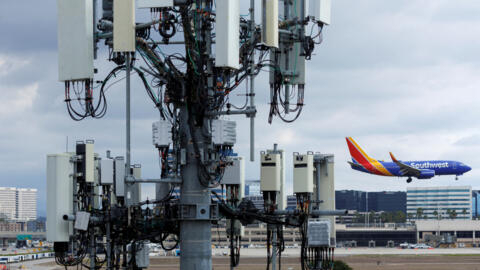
464, 231
256, 200
26, 204
10, 227
375, 236
37, 225
291, 202
18, 204
8, 203
252, 188
363, 201
475, 204
450, 202
350, 200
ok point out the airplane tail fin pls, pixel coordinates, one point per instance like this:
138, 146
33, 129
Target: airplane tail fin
356, 152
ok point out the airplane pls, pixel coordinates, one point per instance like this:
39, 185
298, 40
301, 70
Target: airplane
418, 169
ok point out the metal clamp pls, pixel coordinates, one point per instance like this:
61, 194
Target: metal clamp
198, 212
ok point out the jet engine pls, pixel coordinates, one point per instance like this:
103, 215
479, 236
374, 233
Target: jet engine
426, 174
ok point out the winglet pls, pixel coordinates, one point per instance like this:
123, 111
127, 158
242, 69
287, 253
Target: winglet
393, 158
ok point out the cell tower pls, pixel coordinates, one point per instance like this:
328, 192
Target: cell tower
94, 202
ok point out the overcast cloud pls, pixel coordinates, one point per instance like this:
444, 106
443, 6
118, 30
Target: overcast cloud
400, 76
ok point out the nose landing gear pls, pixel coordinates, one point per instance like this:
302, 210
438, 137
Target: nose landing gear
409, 179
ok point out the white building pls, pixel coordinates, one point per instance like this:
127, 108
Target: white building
252, 188
8, 203
26, 204
18, 204
439, 202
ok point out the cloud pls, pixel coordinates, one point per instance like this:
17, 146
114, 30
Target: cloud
18, 100
472, 140
10, 64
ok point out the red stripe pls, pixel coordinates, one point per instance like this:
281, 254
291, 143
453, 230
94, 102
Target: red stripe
358, 156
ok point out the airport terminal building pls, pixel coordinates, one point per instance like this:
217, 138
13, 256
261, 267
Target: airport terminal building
448, 202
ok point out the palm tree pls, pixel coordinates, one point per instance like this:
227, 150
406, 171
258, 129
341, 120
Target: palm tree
449, 213
464, 212
454, 214
435, 213
398, 217
384, 217
410, 216
419, 213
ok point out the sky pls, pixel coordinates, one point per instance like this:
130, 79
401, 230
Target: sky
399, 76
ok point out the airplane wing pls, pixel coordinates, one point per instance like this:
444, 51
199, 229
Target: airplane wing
405, 169
358, 166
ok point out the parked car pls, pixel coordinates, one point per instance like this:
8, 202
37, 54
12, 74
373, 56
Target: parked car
422, 246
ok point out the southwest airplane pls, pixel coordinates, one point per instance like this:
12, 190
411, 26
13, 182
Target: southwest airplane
419, 169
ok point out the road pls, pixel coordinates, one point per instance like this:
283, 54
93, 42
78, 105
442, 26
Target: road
357, 258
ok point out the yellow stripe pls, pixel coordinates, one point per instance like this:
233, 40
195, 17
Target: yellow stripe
379, 166
374, 162
361, 150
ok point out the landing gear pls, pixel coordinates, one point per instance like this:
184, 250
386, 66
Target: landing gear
456, 177
409, 179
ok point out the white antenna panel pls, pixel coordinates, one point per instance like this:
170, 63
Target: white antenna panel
106, 172
119, 177
227, 38
303, 173
155, 3
224, 132
270, 23
321, 10
270, 172
123, 25
75, 40
59, 196
235, 173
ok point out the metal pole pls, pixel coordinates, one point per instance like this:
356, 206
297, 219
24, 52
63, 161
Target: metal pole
317, 183
108, 235
195, 233
93, 252
92, 248
127, 155
195, 230
274, 248
252, 82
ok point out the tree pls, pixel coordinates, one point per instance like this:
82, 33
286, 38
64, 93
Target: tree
454, 214
357, 218
410, 216
435, 213
398, 217
419, 213
464, 212
384, 217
